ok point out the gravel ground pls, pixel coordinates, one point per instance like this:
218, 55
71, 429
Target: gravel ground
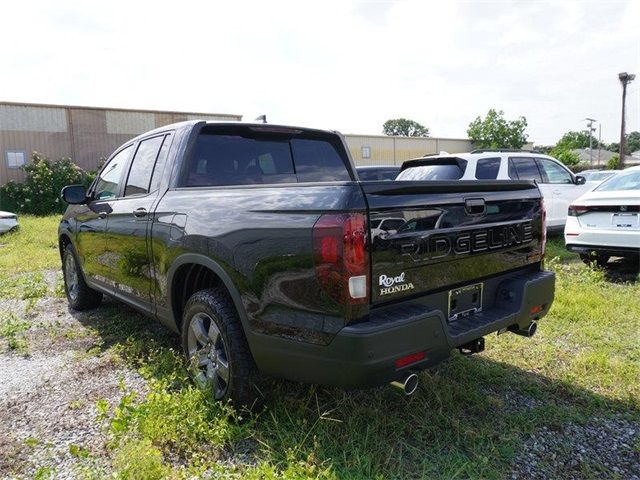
605, 448
48, 395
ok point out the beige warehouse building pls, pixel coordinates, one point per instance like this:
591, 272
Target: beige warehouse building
87, 134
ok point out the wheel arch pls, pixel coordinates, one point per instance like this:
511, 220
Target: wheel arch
191, 265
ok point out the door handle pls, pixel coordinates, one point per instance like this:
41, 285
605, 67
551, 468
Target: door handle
102, 215
140, 212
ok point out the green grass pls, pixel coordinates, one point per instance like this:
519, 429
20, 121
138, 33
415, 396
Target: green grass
469, 418
33, 247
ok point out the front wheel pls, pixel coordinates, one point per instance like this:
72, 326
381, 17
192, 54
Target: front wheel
79, 295
216, 348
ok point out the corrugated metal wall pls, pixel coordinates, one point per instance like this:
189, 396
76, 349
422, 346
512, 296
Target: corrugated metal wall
385, 150
84, 134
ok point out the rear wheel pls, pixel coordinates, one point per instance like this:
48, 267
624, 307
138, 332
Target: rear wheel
600, 259
79, 295
216, 349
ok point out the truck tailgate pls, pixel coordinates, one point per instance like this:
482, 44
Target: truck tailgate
449, 234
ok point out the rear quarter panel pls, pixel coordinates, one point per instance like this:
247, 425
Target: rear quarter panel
261, 236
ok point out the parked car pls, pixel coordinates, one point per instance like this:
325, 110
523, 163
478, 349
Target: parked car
606, 221
559, 186
8, 221
252, 242
595, 177
377, 172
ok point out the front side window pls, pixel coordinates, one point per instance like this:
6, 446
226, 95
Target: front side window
525, 169
142, 166
554, 172
109, 180
487, 168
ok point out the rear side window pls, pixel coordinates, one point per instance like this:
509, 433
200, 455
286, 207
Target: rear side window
487, 168
318, 161
241, 157
433, 172
142, 166
524, 169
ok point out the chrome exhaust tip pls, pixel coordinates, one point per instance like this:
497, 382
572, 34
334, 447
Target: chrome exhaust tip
530, 331
408, 384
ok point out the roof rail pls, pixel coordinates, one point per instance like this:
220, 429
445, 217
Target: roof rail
498, 150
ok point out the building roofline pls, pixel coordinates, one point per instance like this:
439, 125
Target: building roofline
115, 109
403, 137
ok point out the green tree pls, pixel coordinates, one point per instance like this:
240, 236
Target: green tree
495, 132
566, 156
613, 163
405, 128
572, 140
633, 142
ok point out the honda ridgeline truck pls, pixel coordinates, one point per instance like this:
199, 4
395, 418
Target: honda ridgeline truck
253, 242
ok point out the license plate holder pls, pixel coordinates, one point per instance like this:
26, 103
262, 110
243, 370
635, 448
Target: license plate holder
465, 301
624, 220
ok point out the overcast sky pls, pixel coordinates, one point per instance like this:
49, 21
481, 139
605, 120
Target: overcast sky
347, 65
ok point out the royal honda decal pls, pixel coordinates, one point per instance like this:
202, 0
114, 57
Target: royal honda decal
393, 284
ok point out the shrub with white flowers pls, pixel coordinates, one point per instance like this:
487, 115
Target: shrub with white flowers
39, 193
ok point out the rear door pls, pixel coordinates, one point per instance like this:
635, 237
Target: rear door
526, 168
129, 222
454, 233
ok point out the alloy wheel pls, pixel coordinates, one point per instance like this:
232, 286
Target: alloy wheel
208, 354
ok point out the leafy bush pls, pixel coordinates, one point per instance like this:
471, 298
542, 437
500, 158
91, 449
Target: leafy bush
566, 156
613, 162
39, 194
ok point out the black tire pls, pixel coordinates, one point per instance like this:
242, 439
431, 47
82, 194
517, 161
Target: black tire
600, 259
79, 295
241, 385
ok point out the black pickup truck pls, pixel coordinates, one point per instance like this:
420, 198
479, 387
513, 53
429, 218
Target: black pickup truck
253, 241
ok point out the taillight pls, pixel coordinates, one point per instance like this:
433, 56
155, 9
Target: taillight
577, 210
341, 258
543, 216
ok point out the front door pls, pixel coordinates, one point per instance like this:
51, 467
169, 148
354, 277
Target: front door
130, 222
559, 181
90, 240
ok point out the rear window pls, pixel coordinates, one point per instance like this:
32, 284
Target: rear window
433, 172
487, 168
234, 156
622, 181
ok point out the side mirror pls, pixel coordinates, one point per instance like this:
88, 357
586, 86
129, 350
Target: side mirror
74, 194
580, 180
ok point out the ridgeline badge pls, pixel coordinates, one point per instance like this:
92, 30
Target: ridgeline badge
393, 284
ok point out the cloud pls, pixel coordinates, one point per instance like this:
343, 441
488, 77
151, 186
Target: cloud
346, 65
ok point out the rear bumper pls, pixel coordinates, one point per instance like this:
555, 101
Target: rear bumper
604, 250
364, 354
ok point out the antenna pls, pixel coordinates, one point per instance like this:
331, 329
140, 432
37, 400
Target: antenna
261, 118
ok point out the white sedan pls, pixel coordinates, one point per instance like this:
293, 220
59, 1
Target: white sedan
8, 221
606, 221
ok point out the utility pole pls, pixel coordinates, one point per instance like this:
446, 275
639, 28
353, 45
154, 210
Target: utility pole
625, 78
591, 130
599, 141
